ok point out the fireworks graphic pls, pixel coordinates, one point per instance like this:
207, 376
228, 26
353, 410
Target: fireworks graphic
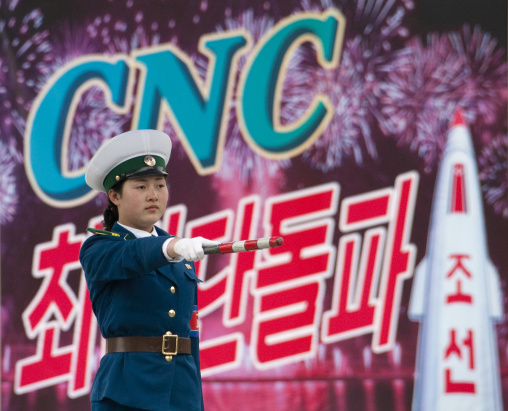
138, 29
493, 174
425, 83
352, 87
93, 121
8, 121
483, 91
9, 159
420, 95
130, 32
25, 52
380, 21
23, 47
239, 159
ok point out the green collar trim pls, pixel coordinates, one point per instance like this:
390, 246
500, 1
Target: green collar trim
104, 232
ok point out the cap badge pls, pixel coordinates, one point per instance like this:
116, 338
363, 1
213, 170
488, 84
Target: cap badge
149, 161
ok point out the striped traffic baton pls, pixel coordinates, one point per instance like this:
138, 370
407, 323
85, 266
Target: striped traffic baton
245, 245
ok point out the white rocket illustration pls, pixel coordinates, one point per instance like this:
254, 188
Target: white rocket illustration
456, 293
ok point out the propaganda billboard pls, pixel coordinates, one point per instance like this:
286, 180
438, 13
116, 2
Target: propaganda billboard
370, 135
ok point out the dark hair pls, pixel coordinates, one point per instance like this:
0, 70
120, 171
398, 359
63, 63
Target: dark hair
111, 211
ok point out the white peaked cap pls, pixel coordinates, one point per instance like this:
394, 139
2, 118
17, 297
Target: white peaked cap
126, 155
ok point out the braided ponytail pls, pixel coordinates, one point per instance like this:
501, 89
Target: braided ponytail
111, 212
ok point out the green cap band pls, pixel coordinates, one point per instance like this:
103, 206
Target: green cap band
131, 166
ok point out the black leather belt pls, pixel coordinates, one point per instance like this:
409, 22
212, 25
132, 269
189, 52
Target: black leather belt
168, 344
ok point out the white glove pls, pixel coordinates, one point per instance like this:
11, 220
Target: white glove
192, 248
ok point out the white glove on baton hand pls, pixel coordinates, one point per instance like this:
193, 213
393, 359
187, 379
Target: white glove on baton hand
192, 248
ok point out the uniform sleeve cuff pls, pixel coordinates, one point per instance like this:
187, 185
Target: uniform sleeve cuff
165, 252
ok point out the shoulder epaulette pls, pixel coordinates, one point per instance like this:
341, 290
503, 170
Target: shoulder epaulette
104, 232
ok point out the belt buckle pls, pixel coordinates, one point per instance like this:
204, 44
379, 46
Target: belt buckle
165, 343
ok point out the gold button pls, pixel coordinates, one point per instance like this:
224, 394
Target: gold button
117, 178
171, 313
172, 289
168, 358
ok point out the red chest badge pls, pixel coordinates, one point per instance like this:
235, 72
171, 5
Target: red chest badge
194, 323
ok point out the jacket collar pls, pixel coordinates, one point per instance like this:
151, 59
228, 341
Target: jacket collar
123, 232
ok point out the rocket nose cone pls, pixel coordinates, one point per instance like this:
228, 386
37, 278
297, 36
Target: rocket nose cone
458, 119
459, 138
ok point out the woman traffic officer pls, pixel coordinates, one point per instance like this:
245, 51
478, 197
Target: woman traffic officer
142, 283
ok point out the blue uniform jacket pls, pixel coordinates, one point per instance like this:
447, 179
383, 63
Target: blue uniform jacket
130, 284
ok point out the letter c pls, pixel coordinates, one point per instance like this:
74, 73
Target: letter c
50, 120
